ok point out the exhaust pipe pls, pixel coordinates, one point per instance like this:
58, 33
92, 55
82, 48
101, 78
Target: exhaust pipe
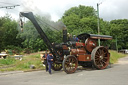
65, 34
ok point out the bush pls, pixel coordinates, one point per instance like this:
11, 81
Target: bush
14, 50
28, 50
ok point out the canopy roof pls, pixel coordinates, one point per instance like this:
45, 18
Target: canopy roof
84, 36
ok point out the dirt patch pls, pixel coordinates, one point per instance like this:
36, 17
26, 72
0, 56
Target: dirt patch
34, 53
123, 60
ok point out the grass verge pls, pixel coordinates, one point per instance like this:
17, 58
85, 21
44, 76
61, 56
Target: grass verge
114, 56
11, 64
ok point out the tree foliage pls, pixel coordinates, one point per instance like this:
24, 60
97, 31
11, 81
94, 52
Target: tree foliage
8, 32
80, 19
119, 30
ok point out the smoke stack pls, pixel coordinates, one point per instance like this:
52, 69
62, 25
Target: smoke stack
64, 34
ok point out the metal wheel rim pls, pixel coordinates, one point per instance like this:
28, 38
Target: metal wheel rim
100, 57
70, 64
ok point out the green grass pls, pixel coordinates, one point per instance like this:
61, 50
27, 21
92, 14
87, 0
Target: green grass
114, 56
7, 61
11, 64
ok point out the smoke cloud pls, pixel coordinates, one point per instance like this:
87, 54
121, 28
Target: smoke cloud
29, 6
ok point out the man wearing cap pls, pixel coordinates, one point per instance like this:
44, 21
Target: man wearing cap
75, 38
45, 60
50, 61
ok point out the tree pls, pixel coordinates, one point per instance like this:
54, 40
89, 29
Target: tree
81, 11
8, 32
80, 19
119, 30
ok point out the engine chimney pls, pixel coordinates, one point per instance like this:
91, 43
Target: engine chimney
64, 34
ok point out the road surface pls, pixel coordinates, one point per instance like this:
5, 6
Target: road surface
116, 75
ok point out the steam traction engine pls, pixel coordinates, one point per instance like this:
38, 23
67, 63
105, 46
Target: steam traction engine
69, 54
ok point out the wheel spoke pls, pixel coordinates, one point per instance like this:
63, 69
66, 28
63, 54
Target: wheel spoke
103, 62
97, 53
67, 62
100, 64
73, 61
105, 53
97, 59
97, 62
100, 51
106, 57
68, 59
96, 56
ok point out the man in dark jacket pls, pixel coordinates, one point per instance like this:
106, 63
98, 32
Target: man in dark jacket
50, 61
45, 61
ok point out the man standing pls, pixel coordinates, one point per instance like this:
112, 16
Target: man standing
44, 58
50, 61
45, 61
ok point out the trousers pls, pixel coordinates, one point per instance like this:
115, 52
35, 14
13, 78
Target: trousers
49, 67
46, 64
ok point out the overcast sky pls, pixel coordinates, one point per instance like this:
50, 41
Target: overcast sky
109, 9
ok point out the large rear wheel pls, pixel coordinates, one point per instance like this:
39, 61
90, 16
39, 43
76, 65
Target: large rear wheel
100, 57
70, 64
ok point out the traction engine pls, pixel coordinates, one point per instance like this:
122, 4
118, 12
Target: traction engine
70, 53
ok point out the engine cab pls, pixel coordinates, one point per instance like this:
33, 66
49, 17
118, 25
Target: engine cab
87, 42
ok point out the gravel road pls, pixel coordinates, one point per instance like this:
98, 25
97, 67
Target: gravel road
117, 74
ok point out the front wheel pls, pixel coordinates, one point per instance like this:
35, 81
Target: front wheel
70, 64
